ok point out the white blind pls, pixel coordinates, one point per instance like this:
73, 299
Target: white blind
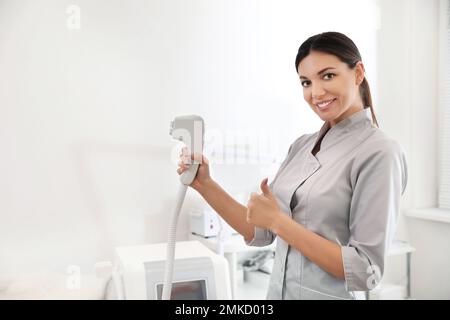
444, 132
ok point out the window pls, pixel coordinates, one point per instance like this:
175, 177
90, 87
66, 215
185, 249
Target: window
444, 103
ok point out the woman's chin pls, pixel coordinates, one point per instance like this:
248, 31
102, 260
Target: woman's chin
325, 117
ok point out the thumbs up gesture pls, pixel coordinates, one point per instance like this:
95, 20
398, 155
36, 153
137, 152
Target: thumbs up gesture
263, 209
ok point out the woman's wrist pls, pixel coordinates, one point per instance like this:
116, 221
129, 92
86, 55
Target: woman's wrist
277, 223
206, 184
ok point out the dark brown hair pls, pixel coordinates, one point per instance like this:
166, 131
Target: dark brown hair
342, 47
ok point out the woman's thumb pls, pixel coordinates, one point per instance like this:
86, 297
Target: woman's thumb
265, 188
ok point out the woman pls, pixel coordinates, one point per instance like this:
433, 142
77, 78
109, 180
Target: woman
334, 201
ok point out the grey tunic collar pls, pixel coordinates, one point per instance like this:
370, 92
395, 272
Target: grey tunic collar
352, 131
337, 143
357, 120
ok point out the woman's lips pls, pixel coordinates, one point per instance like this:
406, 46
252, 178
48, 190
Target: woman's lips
325, 105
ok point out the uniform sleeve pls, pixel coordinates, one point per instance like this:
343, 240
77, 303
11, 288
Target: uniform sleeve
378, 182
264, 237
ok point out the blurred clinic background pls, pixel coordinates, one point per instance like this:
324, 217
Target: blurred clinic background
88, 90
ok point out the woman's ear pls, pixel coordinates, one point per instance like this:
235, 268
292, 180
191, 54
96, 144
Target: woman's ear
359, 71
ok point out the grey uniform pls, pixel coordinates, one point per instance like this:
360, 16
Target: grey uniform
348, 193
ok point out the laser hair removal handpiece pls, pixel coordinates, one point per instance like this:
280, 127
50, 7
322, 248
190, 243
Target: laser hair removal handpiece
190, 130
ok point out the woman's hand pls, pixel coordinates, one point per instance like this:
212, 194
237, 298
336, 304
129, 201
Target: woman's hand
262, 209
185, 162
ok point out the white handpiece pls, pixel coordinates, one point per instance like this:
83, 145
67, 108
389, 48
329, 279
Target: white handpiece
188, 176
190, 130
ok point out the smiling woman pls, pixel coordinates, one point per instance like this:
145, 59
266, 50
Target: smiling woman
90, 76
334, 201
332, 75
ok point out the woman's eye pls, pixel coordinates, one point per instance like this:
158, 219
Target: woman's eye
305, 83
329, 76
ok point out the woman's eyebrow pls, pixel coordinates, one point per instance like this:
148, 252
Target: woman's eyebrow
318, 73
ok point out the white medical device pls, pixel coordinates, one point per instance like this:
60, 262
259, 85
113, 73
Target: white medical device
207, 223
147, 272
189, 130
199, 273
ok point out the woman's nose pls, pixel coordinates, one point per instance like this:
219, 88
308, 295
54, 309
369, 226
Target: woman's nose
317, 90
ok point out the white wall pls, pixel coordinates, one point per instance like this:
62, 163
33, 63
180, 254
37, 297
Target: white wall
408, 105
85, 163
431, 264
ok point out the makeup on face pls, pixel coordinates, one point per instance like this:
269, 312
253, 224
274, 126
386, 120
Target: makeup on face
326, 83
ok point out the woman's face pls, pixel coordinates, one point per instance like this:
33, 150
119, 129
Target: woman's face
330, 87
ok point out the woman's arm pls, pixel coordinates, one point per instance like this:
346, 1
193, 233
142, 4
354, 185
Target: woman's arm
229, 209
323, 252
263, 211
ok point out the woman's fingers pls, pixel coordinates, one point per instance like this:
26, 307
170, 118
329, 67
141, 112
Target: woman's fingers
184, 152
185, 160
185, 156
183, 165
